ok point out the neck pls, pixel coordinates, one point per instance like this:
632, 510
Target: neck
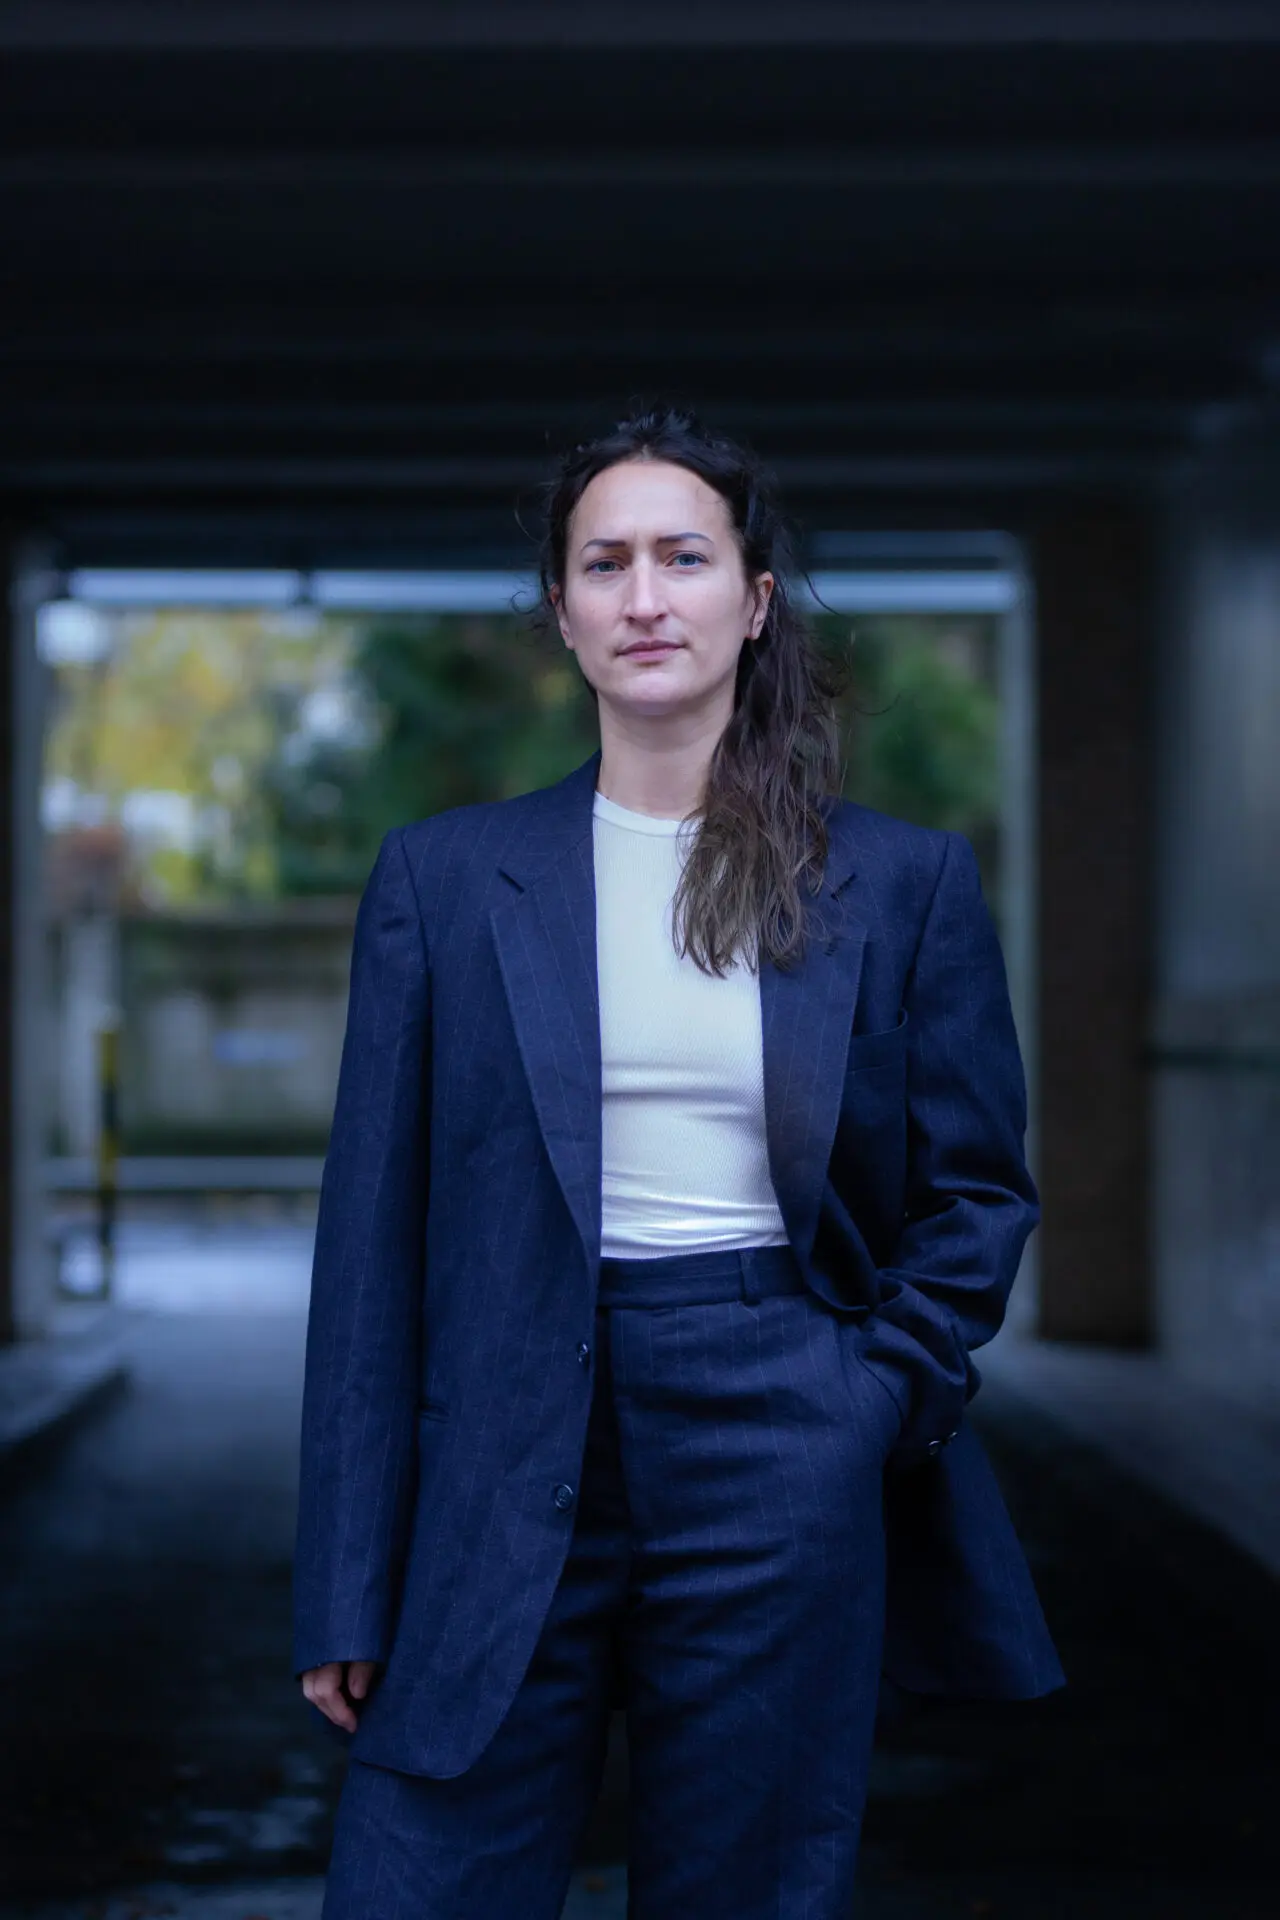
668, 781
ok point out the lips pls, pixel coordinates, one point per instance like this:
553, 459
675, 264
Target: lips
650, 646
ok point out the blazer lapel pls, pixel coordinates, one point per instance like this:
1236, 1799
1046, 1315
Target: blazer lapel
546, 941
807, 1017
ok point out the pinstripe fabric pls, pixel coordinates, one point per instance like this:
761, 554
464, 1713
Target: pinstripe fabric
445, 1400
727, 1562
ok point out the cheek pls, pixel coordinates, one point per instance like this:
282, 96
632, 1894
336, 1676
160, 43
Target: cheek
721, 612
585, 619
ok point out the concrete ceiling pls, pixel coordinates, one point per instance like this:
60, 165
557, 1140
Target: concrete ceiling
305, 265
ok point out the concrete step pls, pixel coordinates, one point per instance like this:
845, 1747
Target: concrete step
46, 1383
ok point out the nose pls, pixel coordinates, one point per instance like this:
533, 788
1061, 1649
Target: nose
644, 599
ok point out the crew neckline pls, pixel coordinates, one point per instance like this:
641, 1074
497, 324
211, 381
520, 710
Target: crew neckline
606, 809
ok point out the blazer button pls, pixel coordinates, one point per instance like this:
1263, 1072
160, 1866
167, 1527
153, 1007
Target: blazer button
584, 1353
563, 1497
934, 1446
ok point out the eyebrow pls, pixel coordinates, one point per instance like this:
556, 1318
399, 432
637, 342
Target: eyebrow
664, 539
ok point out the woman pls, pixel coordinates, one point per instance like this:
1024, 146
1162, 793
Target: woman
676, 1168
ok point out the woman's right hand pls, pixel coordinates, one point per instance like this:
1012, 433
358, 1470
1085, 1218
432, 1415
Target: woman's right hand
334, 1686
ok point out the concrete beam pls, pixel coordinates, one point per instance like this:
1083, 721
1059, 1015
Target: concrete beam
218, 25
950, 170
962, 470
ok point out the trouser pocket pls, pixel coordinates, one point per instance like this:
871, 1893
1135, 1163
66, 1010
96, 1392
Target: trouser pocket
889, 1402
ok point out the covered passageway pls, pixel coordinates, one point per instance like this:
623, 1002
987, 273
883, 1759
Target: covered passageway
311, 290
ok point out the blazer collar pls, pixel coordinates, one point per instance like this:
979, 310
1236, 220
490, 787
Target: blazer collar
558, 816
545, 935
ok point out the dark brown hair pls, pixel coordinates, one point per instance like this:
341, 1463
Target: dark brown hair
762, 827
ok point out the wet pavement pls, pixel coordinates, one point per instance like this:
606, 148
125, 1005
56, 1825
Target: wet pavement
156, 1757
598, 1894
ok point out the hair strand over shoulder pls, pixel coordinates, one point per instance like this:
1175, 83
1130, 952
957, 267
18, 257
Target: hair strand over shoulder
762, 838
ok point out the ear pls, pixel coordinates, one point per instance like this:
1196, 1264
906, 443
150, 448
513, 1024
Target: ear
556, 598
762, 588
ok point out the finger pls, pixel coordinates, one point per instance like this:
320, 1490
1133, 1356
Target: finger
322, 1686
359, 1678
316, 1679
341, 1714
334, 1706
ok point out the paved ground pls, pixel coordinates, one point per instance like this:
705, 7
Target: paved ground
1189, 1440
598, 1894
155, 1758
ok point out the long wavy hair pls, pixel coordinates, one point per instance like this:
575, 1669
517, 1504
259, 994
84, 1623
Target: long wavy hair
761, 838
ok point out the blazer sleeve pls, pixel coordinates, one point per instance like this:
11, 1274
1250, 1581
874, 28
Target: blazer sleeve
358, 1445
970, 1200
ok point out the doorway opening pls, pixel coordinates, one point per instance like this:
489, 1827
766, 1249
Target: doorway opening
223, 752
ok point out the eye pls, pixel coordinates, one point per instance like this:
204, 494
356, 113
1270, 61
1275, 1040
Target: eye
699, 560
595, 565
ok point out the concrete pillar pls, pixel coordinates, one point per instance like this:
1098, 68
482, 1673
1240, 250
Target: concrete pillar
1094, 579
1215, 1026
7, 890
25, 1263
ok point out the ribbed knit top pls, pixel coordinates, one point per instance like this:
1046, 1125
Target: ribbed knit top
685, 1161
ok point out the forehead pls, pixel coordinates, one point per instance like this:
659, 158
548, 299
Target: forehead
650, 497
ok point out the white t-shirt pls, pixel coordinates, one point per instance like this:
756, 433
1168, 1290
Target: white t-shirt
685, 1160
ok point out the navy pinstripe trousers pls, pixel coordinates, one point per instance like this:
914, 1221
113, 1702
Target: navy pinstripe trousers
725, 1578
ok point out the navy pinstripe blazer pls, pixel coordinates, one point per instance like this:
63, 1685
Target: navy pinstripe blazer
459, 1235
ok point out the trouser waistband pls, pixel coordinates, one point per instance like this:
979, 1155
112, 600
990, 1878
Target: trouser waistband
700, 1279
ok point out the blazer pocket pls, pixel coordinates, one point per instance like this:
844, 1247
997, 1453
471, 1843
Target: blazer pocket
433, 1409
884, 1049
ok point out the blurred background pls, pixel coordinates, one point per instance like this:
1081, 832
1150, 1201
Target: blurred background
299, 299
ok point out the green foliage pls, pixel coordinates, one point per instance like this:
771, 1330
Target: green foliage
463, 707
475, 707
922, 720
299, 740
191, 706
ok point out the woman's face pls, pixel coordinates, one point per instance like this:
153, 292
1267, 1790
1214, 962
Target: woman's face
656, 601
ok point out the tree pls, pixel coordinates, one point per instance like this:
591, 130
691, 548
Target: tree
459, 708
922, 722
